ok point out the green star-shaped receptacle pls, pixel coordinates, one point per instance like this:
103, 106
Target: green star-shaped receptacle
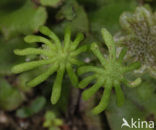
58, 56
110, 74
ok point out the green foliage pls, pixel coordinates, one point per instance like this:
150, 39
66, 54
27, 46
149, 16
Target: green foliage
110, 73
73, 15
106, 14
51, 121
8, 59
24, 20
36, 106
129, 110
53, 3
10, 97
59, 57
53, 56
24, 78
140, 38
140, 103
144, 95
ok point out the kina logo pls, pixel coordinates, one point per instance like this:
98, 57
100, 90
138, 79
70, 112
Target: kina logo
137, 123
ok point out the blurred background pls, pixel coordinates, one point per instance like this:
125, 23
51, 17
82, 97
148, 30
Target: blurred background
23, 108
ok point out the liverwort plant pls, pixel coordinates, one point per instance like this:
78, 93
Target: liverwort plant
56, 55
108, 75
139, 36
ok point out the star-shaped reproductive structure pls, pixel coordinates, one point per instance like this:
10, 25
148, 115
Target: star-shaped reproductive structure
111, 73
56, 55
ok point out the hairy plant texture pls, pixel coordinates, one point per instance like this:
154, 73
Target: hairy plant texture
140, 38
109, 74
58, 56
